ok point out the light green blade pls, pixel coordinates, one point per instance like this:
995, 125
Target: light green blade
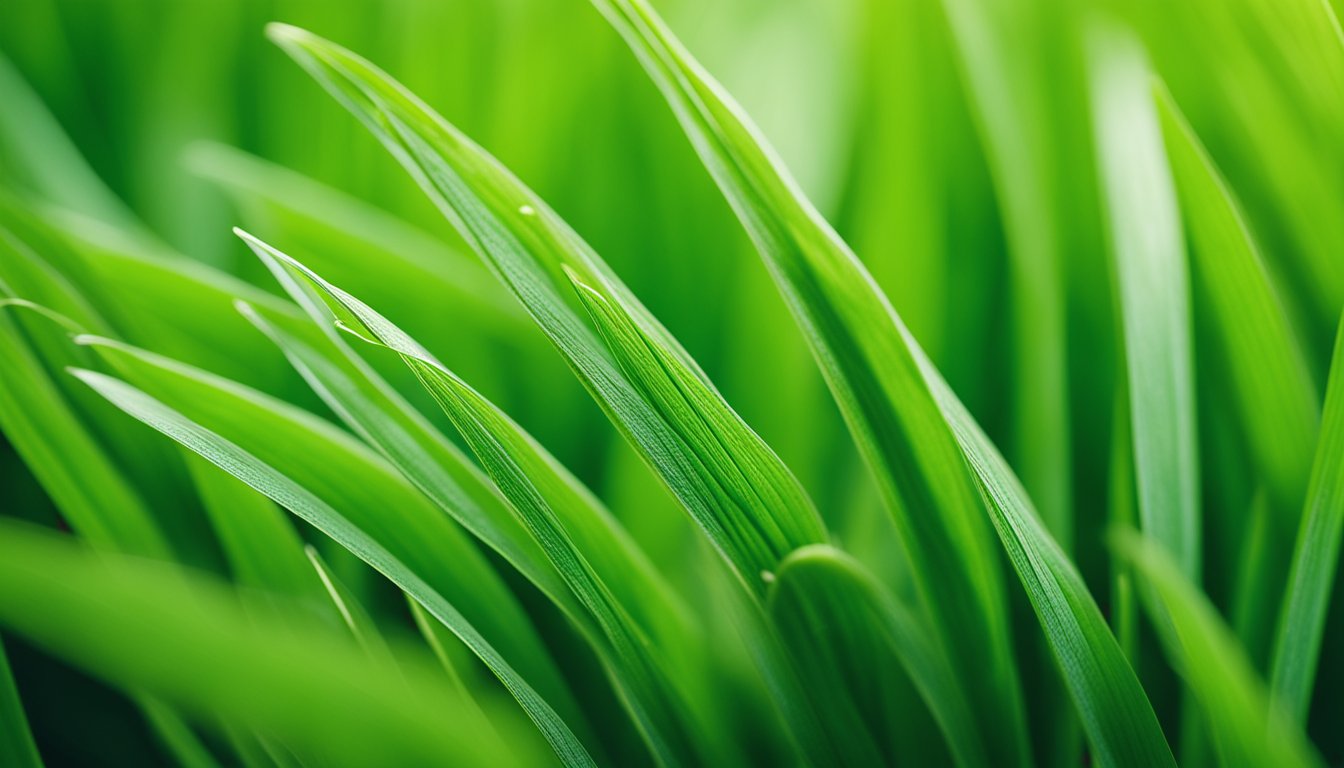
1301, 626
304, 503
152, 627
751, 507
1153, 286
1274, 392
866, 355
1235, 704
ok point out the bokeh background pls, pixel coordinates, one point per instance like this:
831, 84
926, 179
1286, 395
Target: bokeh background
968, 188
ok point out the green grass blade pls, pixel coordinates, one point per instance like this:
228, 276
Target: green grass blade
1153, 285
753, 509
151, 627
350, 477
842, 625
17, 747
866, 355
91, 493
36, 152
1117, 717
1315, 561
635, 612
1236, 707
424, 456
361, 246
1274, 392
304, 503
739, 469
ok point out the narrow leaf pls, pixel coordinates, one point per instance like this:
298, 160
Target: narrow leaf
1236, 707
1315, 561
1273, 389
754, 511
1150, 266
426, 546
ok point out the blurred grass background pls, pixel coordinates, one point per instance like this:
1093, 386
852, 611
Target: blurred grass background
969, 190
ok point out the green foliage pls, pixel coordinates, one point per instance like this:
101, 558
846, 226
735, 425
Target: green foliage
339, 501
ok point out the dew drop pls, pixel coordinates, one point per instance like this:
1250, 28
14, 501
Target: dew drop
527, 210
767, 577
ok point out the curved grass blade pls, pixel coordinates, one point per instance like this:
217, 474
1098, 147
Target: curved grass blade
1273, 388
359, 245
348, 476
1154, 297
91, 493
865, 353
424, 456
1117, 717
304, 503
645, 634
842, 626
35, 151
150, 626
1301, 626
165, 302
17, 747
1246, 730
528, 245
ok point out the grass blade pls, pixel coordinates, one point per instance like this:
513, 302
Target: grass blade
1236, 707
754, 511
428, 460
1154, 297
314, 510
1315, 561
1273, 388
1117, 717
